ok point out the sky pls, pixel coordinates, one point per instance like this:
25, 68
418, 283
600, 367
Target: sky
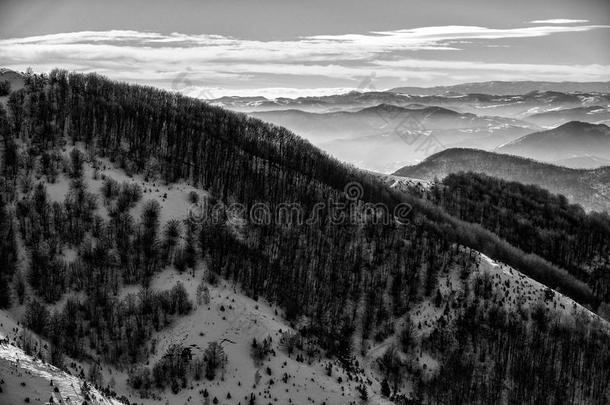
212, 48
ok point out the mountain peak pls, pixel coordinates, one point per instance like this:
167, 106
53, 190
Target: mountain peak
580, 125
570, 140
384, 107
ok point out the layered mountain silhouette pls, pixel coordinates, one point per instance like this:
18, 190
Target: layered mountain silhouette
382, 118
589, 188
507, 88
569, 141
583, 162
520, 105
593, 114
385, 137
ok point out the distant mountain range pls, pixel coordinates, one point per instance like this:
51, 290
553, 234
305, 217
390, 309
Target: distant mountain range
514, 106
507, 88
589, 188
351, 101
385, 137
479, 93
583, 162
569, 141
383, 119
593, 114
369, 136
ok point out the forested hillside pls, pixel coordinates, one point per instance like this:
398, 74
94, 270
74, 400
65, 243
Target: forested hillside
352, 270
534, 220
589, 188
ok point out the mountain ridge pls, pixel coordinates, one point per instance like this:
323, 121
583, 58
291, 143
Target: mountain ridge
507, 88
570, 140
587, 187
592, 114
393, 134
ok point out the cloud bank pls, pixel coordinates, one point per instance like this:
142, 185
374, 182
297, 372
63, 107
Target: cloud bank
197, 64
558, 21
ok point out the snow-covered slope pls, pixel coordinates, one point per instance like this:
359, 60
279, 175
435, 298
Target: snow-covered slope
25, 379
234, 320
231, 318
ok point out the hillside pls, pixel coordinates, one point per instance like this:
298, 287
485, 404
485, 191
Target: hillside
377, 292
574, 139
534, 220
225, 314
588, 188
29, 379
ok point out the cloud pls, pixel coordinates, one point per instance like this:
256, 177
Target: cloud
504, 71
147, 46
216, 61
267, 92
558, 21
